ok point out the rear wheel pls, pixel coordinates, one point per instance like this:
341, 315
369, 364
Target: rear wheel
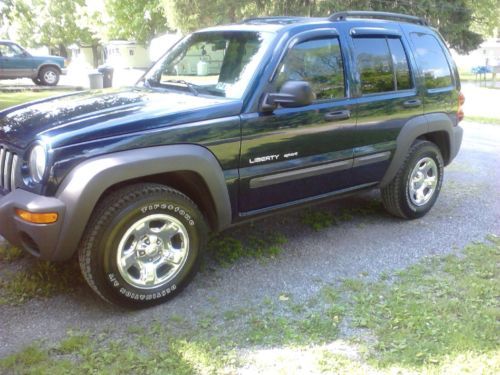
37, 81
142, 245
416, 186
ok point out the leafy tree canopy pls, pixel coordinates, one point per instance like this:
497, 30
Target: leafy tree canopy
140, 20
453, 18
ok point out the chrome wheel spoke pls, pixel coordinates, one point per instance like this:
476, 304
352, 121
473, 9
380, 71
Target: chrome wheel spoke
129, 259
431, 182
167, 232
174, 257
141, 231
148, 273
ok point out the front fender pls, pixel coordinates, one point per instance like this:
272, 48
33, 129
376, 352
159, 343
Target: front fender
86, 183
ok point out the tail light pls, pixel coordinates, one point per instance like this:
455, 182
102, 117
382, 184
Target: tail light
460, 110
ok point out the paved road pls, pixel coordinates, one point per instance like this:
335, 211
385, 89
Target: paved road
467, 210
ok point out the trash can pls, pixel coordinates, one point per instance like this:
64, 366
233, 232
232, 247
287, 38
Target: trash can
107, 72
96, 80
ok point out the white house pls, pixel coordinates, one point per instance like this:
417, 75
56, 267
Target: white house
127, 54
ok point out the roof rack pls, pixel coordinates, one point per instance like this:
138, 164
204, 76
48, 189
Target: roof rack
283, 20
341, 16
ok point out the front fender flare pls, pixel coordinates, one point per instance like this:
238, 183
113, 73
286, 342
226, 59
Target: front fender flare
86, 183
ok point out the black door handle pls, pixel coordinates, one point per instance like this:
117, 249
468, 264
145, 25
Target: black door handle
412, 103
338, 115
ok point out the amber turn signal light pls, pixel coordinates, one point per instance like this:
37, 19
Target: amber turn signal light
460, 111
37, 218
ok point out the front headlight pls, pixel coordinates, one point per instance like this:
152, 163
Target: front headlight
37, 163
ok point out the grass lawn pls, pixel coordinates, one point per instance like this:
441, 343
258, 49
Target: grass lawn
438, 316
14, 98
483, 120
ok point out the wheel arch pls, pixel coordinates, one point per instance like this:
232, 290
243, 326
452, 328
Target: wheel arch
187, 182
45, 65
190, 168
434, 127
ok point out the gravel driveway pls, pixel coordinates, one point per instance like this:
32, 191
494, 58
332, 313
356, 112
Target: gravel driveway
369, 244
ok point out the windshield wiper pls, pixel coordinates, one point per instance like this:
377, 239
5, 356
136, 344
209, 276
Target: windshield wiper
189, 85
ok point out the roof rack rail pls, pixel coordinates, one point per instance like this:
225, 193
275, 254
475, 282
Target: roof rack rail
341, 16
274, 19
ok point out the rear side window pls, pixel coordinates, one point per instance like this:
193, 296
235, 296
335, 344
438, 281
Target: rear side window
431, 60
382, 64
318, 62
401, 68
374, 65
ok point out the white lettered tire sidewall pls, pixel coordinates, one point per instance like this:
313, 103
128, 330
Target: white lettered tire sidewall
111, 227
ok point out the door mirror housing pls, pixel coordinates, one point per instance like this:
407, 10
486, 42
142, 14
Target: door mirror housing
292, 94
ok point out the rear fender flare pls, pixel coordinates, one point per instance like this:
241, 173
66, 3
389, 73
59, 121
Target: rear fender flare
414, 128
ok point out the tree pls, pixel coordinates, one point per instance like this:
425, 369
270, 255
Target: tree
57, 24
453, 18
486, 16
140, 20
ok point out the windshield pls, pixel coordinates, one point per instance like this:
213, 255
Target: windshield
216, 63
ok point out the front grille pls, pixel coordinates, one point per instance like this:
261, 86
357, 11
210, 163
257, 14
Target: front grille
8, 169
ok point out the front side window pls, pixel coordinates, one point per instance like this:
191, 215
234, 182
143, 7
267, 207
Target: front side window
10, 50
216, 63
431, 60
318, 62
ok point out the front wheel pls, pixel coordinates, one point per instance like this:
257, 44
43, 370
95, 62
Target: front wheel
416, 186
49, 76
143, 245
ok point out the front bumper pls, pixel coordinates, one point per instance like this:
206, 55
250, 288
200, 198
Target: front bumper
64, 71
39, 239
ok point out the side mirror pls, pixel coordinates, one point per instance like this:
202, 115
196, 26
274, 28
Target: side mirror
292, 94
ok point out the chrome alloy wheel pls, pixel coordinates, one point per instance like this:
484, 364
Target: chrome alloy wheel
153, 251
50, 77
423, 181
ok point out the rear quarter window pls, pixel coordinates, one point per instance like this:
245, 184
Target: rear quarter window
431, 61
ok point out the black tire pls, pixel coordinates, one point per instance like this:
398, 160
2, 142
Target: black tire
106, 238
37, 81
397, 195
49, 76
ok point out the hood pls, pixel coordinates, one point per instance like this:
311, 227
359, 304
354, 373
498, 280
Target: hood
90, 115
48, 57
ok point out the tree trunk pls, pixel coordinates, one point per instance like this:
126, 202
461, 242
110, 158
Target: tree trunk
95, 55
63, 51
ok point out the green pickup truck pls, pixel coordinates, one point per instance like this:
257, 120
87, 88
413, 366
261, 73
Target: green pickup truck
16, 62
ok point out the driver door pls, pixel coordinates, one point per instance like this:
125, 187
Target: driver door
296, 154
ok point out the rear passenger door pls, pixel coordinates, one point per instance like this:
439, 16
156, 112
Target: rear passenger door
387, 98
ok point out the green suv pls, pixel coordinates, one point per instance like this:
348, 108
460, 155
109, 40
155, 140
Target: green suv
16, 62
